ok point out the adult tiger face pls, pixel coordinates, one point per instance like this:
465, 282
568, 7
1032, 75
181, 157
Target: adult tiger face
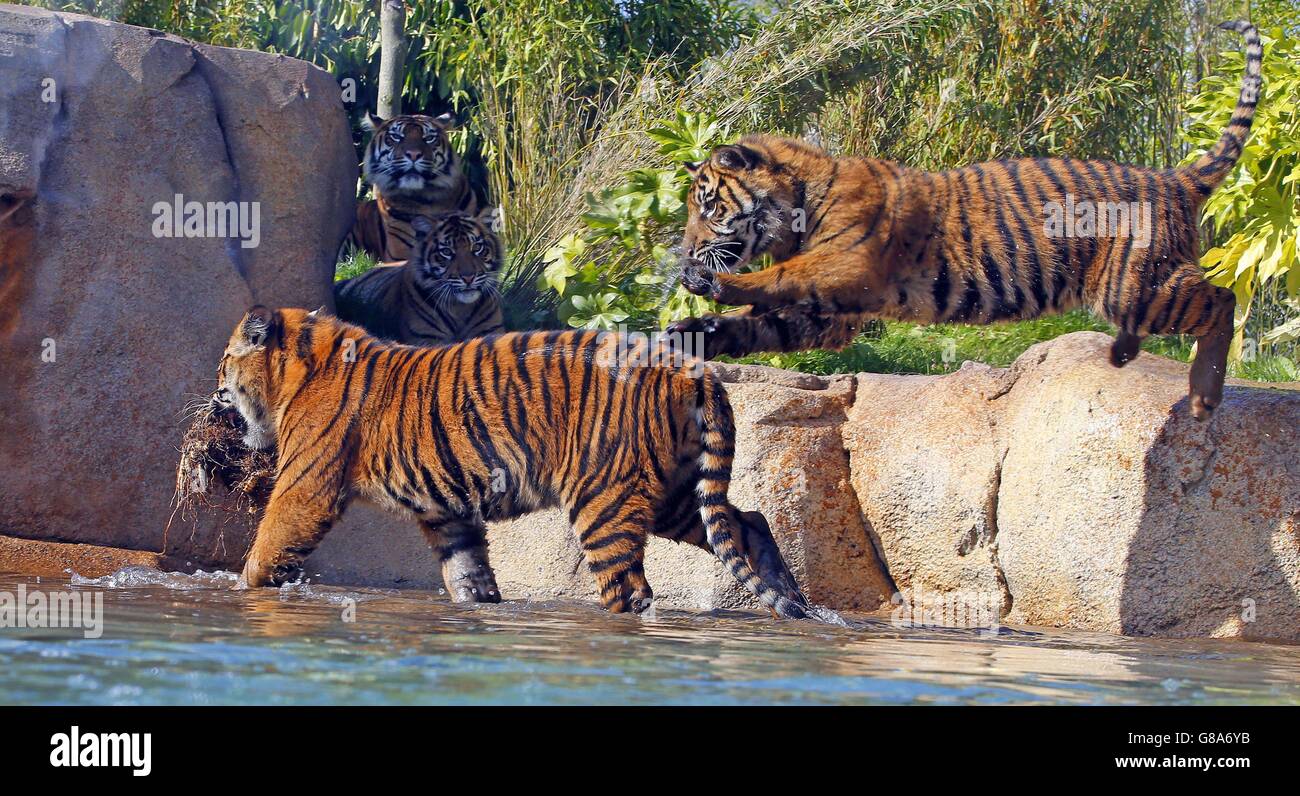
410, 153
737, 210
243, 378
458, 256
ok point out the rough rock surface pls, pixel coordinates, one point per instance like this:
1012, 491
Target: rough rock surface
1117, 511
108, 329
52, 559
1078, 495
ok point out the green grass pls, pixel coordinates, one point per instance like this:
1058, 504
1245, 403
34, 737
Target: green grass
942, 348
355, 264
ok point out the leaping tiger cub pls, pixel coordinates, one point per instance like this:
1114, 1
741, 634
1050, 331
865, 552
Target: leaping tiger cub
453, 436
855, 238
447, 291
415, 172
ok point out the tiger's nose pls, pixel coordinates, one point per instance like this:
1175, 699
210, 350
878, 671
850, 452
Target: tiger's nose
413, 154
468, 280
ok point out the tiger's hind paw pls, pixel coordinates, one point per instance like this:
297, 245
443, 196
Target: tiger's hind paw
1125, 349
470, 580
1203, 406
705, 336
765, 559
789, 609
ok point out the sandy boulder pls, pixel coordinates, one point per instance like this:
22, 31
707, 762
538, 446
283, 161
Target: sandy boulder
1078, 495
1117, 511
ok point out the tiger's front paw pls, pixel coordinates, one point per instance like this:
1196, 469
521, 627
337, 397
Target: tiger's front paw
260, 572
702, 324
700, 280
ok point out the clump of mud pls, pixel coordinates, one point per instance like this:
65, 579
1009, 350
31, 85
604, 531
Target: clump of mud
213, 454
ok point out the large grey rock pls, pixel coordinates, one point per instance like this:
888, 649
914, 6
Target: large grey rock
109, 329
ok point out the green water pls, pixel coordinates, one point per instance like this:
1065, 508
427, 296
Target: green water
191, 639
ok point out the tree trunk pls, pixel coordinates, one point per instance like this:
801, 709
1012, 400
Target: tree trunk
392, 57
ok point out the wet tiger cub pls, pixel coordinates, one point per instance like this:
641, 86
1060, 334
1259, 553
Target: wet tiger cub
446, 292
415, 173
855, 238
493, 428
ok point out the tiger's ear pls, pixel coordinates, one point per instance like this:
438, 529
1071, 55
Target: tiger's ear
258, 326
446, 120
736, 157
694, 168
371, 122
487, 217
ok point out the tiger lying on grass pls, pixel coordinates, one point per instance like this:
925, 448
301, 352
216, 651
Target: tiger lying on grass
492, 429
857, 238
446, 292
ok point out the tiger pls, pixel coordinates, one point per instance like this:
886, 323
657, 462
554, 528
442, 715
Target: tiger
415, 172
857, 238
453, 436
446, 292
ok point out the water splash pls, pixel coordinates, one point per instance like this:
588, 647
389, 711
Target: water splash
669, 268
821, 613
304, 589
140, 577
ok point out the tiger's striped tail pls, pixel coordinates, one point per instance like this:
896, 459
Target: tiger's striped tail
718, 435
1212, 167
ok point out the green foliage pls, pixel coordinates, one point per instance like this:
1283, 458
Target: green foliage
1089, 78
614, 271
1258, 206
618, 189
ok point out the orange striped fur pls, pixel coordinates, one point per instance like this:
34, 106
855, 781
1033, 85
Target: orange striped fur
857, 238
493, 428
